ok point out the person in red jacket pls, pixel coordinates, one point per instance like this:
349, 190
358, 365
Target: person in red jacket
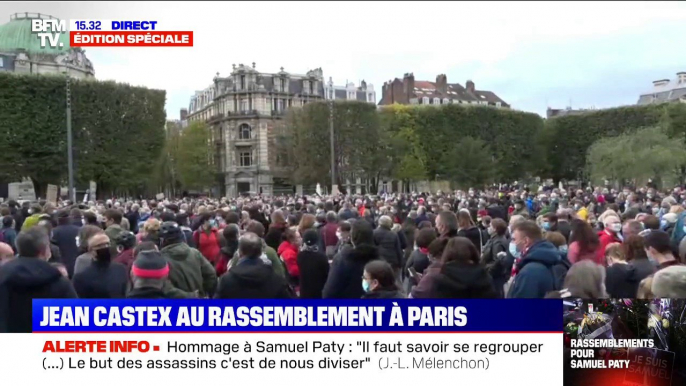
206, 238
288, 251
609, 235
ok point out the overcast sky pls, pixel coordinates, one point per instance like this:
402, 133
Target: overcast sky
533, 55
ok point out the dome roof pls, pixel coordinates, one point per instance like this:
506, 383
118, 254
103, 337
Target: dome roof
16, 35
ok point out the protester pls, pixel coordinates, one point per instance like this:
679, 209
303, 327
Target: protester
462, 276
343, 235
427, 281
149, 275
538, 270
585, 280
29, 277
8, 234
125, 244
622, 278
103, 278
612, 227
379, 281
345, 275
189, 269
313, 266
494, 255
583, 243
288, 251
328, 234
6, 253
467, 229
388, 244
64, 237
229, 248
250, 278
206, 238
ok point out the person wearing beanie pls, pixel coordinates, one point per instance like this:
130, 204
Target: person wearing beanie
250, 277
313, 266
103, 278
190, 270
148, 276
670, 283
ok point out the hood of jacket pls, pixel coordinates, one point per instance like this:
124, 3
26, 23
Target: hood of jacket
623, 273
26, 272
543, 252
178, 251
362, 253
458, 278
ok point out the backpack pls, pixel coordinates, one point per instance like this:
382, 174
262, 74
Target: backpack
679, 229
559, 272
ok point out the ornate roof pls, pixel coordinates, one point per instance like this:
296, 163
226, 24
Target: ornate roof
16, 36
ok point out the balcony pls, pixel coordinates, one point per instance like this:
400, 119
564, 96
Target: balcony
215, 117
242, 113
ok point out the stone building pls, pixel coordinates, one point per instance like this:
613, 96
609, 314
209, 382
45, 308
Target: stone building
408, 91
201, 107
21, 51
246, 112
666, 90
365, 92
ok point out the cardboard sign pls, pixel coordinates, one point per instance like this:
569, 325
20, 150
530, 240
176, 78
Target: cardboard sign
52, 194
649, 367
160, 196
21, 191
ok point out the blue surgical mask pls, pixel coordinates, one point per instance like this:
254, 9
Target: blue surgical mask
514, 251
546, 226
365, 286
563, 248
663, 224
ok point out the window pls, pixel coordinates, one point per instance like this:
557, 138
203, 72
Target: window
283, 85
351, 95
244, 131
279, 105
437, 101
2, 64
498, 104
245, 158
244, 105
306, 86
445, 101
242, 82
425, 100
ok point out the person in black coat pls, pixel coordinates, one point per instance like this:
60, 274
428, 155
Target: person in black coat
64, 237
149, 276
134, 217
103, 279
29, 277
378, 281
388, 243
345, 274
462, 277
250, 277
313, 265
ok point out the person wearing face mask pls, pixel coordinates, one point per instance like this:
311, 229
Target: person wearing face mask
612, 227
540, 269
206, 238
659, 249
103, 279
378, 281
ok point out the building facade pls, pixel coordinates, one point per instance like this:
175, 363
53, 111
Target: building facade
201, 107
246, 114
666, 90
21, 51
408, 91
364, 93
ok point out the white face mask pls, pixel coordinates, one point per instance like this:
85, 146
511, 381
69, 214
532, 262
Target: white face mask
338, 235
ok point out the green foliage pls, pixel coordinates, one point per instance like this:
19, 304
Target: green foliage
469, 163
190, 155
118, 132
568, 138
637, 156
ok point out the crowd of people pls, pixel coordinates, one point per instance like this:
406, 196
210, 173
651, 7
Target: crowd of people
502, 242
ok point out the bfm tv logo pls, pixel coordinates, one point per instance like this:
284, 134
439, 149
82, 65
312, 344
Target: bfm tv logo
52, 25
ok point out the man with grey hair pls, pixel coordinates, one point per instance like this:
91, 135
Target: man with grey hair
250, 277
29, 277
388, 244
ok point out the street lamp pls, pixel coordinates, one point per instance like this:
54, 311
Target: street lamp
70, 150
334, 187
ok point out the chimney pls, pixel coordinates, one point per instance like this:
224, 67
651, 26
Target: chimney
442, 84
363, 85
183, 114
408, 86
469, 86
682, 77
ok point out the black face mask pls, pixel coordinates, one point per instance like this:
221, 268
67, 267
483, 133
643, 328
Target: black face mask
103, 254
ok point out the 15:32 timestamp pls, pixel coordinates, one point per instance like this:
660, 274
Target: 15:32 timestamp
93, 25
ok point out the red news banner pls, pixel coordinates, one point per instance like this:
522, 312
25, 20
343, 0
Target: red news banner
131, 38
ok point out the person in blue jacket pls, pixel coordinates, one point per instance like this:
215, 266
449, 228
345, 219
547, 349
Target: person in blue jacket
541, 268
